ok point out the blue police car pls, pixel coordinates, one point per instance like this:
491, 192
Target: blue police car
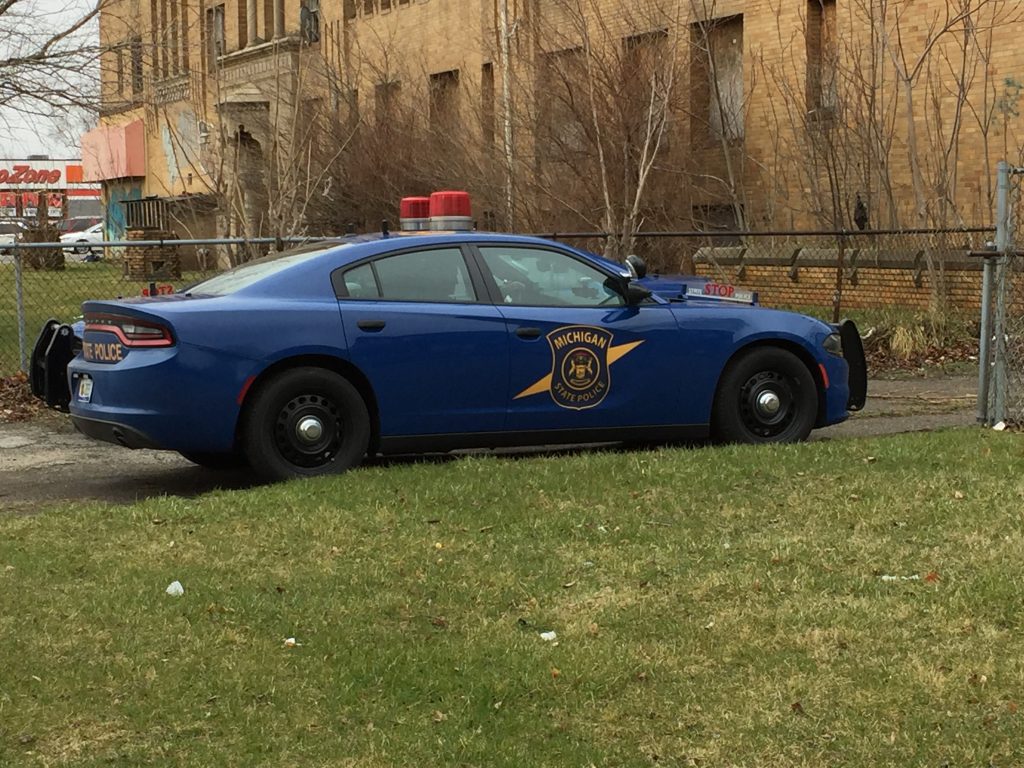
305, 362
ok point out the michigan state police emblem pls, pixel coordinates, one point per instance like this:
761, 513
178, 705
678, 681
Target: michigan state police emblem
581, 358
580, 376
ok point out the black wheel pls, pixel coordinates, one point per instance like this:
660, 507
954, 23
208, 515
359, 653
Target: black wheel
218, 461
82, 249
766, 395
305, 422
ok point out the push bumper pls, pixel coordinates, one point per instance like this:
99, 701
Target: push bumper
853, 353
56, 346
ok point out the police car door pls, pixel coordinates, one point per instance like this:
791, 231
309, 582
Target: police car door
421, 327
581, 359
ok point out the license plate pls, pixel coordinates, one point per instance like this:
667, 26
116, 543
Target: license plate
85, 389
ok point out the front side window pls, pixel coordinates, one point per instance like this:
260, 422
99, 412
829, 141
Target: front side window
542, 278
438, 275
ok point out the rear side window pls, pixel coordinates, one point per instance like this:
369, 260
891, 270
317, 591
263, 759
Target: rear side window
360, 283
438, 275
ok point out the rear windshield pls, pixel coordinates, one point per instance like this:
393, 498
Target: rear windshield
252, 272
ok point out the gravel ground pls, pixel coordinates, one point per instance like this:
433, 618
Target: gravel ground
45, 462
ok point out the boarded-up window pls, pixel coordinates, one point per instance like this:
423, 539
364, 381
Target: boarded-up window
716, 80
647, 81
562, 106
487, 104
119, 68
214, 35
268, 19
386, 102
444, 99
172, 38
717, 217
352, 109
185, 49
243, 28
136, 49
822, 58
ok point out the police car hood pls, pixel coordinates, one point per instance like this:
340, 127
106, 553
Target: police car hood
693, 287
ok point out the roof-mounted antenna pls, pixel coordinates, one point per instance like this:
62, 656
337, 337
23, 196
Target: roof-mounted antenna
350, 228
384, 231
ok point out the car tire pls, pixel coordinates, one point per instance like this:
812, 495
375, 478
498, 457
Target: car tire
766, 395
81, 249
217, 461
305, 422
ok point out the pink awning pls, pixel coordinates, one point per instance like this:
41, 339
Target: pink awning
114, 151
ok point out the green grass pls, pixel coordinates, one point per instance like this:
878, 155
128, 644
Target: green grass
56, 294
714, 607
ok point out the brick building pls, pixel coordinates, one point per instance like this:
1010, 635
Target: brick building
234, 115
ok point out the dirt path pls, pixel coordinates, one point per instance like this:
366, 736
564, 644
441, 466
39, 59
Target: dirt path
46, 462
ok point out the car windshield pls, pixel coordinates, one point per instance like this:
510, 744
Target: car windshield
245, 275
10, 228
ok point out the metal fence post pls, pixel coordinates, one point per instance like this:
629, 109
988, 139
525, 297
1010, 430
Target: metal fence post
19, 291
984, 342
1003, 240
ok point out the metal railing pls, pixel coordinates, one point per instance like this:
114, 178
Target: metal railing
834, 270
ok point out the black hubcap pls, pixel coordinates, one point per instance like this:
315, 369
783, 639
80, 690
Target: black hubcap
767, 404
308, 431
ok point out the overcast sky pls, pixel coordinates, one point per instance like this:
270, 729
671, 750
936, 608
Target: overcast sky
57, 136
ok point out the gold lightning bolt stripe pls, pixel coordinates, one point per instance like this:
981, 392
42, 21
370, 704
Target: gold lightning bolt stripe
544, 384
614, 353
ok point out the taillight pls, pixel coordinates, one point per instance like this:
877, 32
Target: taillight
132, 331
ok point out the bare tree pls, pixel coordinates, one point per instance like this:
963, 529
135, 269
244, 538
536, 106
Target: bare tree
606, 91
47, 50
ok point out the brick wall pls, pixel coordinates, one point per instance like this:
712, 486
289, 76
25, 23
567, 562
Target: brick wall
145, 262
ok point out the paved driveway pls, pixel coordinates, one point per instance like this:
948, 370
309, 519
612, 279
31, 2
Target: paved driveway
46, 461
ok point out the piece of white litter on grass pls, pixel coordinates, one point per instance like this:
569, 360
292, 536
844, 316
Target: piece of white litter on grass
889, 577
290, 642
1000, 426
549, 636
174, 589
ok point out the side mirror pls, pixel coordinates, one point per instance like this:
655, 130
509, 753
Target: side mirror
636, 294
637, 266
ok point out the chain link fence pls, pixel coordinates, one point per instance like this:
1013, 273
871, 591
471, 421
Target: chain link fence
1001, 369
828, 273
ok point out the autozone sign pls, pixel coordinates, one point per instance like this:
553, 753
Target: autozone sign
26, 174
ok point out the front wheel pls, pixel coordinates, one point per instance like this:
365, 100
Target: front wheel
766, 395
305, 422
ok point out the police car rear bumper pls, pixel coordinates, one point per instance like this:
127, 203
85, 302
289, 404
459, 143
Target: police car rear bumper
111, 432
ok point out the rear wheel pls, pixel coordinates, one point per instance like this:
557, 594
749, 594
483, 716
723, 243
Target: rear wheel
767, 395
305, 422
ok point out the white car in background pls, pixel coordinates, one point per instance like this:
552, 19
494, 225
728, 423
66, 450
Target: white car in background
80, 245
11, 231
